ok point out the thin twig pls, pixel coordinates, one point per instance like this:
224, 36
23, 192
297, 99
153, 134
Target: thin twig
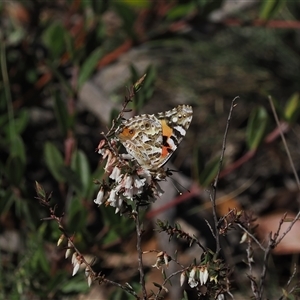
292, 276
276, 234
264, 270
252, 237
214, 186
288, 229
249, 251
210, 228
232, 297
140, 253
167, 279
284, 142
289, 282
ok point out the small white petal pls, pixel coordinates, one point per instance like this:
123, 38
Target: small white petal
139, 182
76, 268
243, 238
100, 196
68, 252
120, 178
115, 174
104, 153
192, 273
205, 275
90, 281
193, 283
166, 259
112, 196
128, 182
201, 277
128, 193
101, 152
74, 258
182, 278
60, 240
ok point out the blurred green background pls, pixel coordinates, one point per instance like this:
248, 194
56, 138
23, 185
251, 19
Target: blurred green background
64, 69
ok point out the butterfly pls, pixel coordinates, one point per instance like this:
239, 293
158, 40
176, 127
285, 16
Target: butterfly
152, 139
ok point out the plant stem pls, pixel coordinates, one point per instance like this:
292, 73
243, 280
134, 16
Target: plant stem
139, 233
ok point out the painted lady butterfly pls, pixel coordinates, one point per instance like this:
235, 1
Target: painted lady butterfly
152, 139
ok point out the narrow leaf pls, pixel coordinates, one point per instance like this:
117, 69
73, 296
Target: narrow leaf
269, 9
61, 113
17, 148
292, 108
40, 190
89, 66
256, 127
15, 168
80, 165
54, 161
53, 38
209, 173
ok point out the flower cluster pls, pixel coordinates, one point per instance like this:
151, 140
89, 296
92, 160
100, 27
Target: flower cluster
206, 284
162, 258
127, 182
196, 275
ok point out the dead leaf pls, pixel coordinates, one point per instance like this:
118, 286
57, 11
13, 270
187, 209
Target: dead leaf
269, 223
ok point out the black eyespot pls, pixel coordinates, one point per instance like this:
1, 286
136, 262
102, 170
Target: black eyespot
131, 131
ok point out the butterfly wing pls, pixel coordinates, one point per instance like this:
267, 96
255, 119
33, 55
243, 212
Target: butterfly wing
142, 137
174, 123
152, 139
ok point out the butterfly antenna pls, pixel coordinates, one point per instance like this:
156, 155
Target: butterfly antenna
177, 183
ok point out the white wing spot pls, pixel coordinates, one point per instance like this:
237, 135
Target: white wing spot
174, 119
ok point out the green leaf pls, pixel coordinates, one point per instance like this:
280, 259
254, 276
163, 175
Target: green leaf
61, 113
292, 108
137, 4
17, 148
15, 168
180, 10
256, 127
54, 39
185, 296
53, 66
54, 161
209, 173
89, 66
80, 165
269, 9
21, 121
40, 190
